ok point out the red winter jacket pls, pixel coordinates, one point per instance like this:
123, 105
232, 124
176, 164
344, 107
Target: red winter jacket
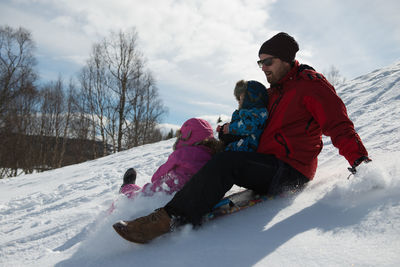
302, 107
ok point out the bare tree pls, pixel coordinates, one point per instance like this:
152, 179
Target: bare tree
334, 77
146, 112
125, 64
17, 97
56, 110
19, 122
16, 64
94, 81
68, 113
81, 126
121, 93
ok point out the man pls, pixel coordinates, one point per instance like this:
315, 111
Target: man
302, 106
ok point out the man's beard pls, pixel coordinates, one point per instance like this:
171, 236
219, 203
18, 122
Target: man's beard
277, 75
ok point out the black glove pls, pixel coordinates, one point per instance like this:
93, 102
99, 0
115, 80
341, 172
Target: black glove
229, 138
357, 162
221, 132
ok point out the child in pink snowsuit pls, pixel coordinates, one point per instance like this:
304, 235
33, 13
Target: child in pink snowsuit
189, 155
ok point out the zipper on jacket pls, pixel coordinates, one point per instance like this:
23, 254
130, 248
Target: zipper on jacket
309, 123
281, 140
279, 88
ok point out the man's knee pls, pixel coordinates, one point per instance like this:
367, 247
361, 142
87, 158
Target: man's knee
227, 160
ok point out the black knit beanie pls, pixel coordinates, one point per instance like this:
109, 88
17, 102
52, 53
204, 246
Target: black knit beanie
282, 46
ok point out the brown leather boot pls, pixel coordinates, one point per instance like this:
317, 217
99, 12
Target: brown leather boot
145, 229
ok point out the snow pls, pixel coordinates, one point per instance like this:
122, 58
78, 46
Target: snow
59, 217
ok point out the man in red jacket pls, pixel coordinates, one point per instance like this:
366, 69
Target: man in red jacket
302, 106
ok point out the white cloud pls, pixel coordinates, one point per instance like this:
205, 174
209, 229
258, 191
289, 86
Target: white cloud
211, 105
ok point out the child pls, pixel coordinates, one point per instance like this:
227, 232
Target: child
129, 187
248, 121
192, 149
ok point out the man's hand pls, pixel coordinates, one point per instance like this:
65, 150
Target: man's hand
357, 162
226, 128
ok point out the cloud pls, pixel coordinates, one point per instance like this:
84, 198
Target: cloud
211, 105
56, 36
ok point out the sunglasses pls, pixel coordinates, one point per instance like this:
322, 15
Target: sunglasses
266, 61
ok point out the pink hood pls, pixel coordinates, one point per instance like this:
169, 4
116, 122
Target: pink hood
193, 131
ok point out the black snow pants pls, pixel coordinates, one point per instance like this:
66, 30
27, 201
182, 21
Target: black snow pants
259, 172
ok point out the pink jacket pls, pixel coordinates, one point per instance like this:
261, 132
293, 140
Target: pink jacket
187, 159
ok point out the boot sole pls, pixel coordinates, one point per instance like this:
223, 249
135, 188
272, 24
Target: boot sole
122, 229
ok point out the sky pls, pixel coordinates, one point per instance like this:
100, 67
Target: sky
198, 50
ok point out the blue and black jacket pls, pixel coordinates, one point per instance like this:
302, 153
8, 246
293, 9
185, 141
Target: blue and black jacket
248, 122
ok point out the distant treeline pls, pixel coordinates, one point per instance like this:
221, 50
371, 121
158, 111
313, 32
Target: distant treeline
41, 153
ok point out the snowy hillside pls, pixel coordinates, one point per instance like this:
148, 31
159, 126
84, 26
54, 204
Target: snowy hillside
58, 218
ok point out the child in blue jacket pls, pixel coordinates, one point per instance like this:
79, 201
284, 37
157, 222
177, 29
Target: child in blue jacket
248, 121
